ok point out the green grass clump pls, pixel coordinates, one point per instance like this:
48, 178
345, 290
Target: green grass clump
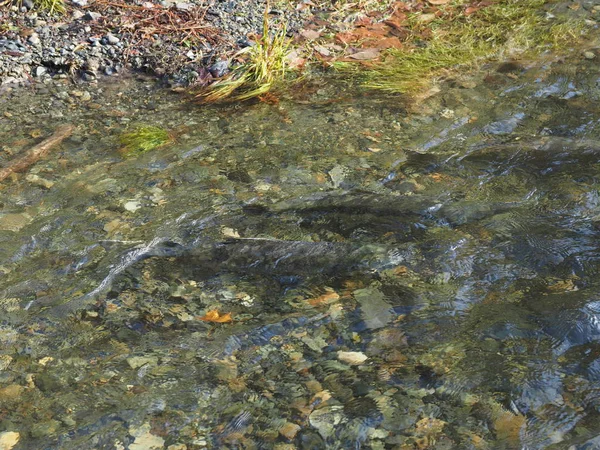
265, 65
51, 6
505, 28
143, 139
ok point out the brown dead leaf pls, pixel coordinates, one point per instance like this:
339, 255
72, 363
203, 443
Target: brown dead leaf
476, 6
389, 42
214, 316
366, 54
322, 50
360, 34
508, 427
295, 61
304, 5
394, 23
310, 35
325, 299
400, 6
400, 270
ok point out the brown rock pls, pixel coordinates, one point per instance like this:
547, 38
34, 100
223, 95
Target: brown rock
289, 430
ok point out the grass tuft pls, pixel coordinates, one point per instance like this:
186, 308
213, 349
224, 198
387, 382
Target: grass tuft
143, 139
51, 6
505, 28
265, 65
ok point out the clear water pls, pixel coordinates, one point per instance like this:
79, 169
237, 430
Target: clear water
398, 276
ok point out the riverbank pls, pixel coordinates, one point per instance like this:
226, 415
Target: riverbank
194, 44
179, 42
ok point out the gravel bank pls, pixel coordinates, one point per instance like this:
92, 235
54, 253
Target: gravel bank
181, 42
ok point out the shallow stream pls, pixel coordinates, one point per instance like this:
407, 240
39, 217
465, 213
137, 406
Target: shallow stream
398, 276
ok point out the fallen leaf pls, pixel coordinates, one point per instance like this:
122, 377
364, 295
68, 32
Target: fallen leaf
214, 316
400, 270
365, 21
322, 50
394, 23
471, 9
400, 6
365, 55
335, 47
328, 297
310, 34
294, 60
508, 428
360, 34
304, 5
389, 42
438, 2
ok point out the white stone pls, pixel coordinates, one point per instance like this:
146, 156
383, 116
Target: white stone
132, 205
144, 440
352, 358
9, 439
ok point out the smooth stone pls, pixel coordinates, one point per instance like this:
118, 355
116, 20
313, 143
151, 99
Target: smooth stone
90, 15
14, 221
132, 205
8, 439
139, 361
144, 440
352, 358
112, 39
326, 419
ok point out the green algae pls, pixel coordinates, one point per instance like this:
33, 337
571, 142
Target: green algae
143, 139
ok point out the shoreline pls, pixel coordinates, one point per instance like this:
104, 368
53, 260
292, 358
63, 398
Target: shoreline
179, 43
392, 45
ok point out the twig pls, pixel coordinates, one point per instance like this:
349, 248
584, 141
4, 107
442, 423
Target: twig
37, 152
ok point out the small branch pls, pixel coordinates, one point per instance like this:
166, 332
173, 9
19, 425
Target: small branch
37, 152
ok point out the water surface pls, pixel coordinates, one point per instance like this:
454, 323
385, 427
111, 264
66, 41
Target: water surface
398, 276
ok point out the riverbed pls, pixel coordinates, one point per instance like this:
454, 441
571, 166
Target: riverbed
331, 270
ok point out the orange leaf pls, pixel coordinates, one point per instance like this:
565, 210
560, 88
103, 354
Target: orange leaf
437, 177
214, 316
329, 297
